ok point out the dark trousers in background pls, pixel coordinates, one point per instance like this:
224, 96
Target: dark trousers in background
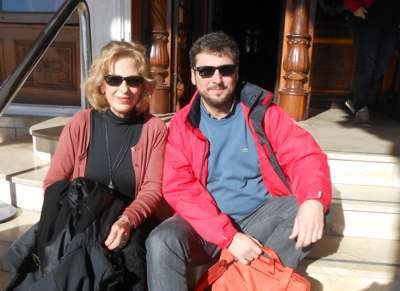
374, 46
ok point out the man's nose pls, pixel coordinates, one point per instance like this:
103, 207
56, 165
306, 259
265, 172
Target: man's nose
217, 77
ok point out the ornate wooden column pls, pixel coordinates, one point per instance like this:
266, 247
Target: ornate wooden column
159, 59
293, 92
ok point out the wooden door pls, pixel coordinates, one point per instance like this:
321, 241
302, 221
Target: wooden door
56, 80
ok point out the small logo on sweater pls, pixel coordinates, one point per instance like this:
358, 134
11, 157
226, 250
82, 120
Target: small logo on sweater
244, 150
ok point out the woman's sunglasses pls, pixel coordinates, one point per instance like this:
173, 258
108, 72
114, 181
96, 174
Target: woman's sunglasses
209, 71
116, 81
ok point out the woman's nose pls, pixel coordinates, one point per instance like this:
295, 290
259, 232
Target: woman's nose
123, 87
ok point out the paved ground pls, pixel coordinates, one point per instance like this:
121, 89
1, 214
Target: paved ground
335, 131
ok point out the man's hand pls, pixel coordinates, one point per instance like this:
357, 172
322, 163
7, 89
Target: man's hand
119, 234
361, 12
245, 248
308, 224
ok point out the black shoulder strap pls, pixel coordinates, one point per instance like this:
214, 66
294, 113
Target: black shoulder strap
257, 114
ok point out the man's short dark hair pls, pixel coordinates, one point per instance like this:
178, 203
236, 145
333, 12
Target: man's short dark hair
214, 43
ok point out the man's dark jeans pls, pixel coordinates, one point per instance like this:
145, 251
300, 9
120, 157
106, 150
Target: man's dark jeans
174, 246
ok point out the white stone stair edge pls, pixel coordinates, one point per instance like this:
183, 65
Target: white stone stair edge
365, 173
339, 276
24, 196
43, 156
362, 157
365, 224
366, 193
352, 263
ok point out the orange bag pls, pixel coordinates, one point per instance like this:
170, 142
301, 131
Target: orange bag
264, 273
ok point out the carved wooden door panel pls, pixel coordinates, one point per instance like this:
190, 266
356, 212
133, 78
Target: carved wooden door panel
56, 80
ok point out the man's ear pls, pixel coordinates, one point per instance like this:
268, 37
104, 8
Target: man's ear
103, 88
193, 76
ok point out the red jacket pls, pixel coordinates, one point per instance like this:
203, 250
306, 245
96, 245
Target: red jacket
353, 5
186, 167
69, 162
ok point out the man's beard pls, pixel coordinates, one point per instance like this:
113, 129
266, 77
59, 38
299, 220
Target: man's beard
218, 102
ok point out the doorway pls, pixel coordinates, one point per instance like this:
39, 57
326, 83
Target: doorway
256, 27
56, 79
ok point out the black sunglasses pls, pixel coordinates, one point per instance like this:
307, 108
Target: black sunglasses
131, 81
209, 71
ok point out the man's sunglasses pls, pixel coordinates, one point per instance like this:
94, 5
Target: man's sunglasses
209, 71
116, 81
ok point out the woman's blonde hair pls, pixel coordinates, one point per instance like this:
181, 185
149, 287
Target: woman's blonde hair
109, 54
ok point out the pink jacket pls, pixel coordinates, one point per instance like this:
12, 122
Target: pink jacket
69, 162
186, 169
353, 5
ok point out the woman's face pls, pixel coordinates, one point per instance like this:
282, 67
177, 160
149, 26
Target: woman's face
122, 98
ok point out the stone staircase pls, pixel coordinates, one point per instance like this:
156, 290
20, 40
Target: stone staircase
361, 247
360, 250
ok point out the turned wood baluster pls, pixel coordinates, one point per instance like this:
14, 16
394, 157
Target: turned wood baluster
293, 96
159, 59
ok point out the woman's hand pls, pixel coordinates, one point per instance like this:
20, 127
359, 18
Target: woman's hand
119, 234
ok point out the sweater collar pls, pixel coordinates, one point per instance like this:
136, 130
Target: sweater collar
132, 119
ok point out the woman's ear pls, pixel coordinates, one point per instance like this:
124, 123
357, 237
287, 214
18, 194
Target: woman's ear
103, 88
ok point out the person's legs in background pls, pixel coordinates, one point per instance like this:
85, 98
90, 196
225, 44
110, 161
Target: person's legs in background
365, 41
388, 41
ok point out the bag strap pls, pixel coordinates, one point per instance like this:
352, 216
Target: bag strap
257, 114
271, 253
284, 282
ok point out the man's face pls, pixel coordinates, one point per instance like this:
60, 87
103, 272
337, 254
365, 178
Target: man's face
216, 90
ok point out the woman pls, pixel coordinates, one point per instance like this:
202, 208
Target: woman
117, 143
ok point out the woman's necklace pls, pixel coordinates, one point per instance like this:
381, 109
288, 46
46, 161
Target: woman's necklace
118, 159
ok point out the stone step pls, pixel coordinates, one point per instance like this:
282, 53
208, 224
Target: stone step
19, 165
366, 193
365, 211
364, 169
15, 126
28, 188
45, 136
14, 228
352, 263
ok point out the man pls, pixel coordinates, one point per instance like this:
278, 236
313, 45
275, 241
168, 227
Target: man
375, 31
219, 179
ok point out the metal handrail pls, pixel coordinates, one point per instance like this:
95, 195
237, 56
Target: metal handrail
16, 80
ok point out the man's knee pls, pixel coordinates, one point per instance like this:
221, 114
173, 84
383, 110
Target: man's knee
164, 238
